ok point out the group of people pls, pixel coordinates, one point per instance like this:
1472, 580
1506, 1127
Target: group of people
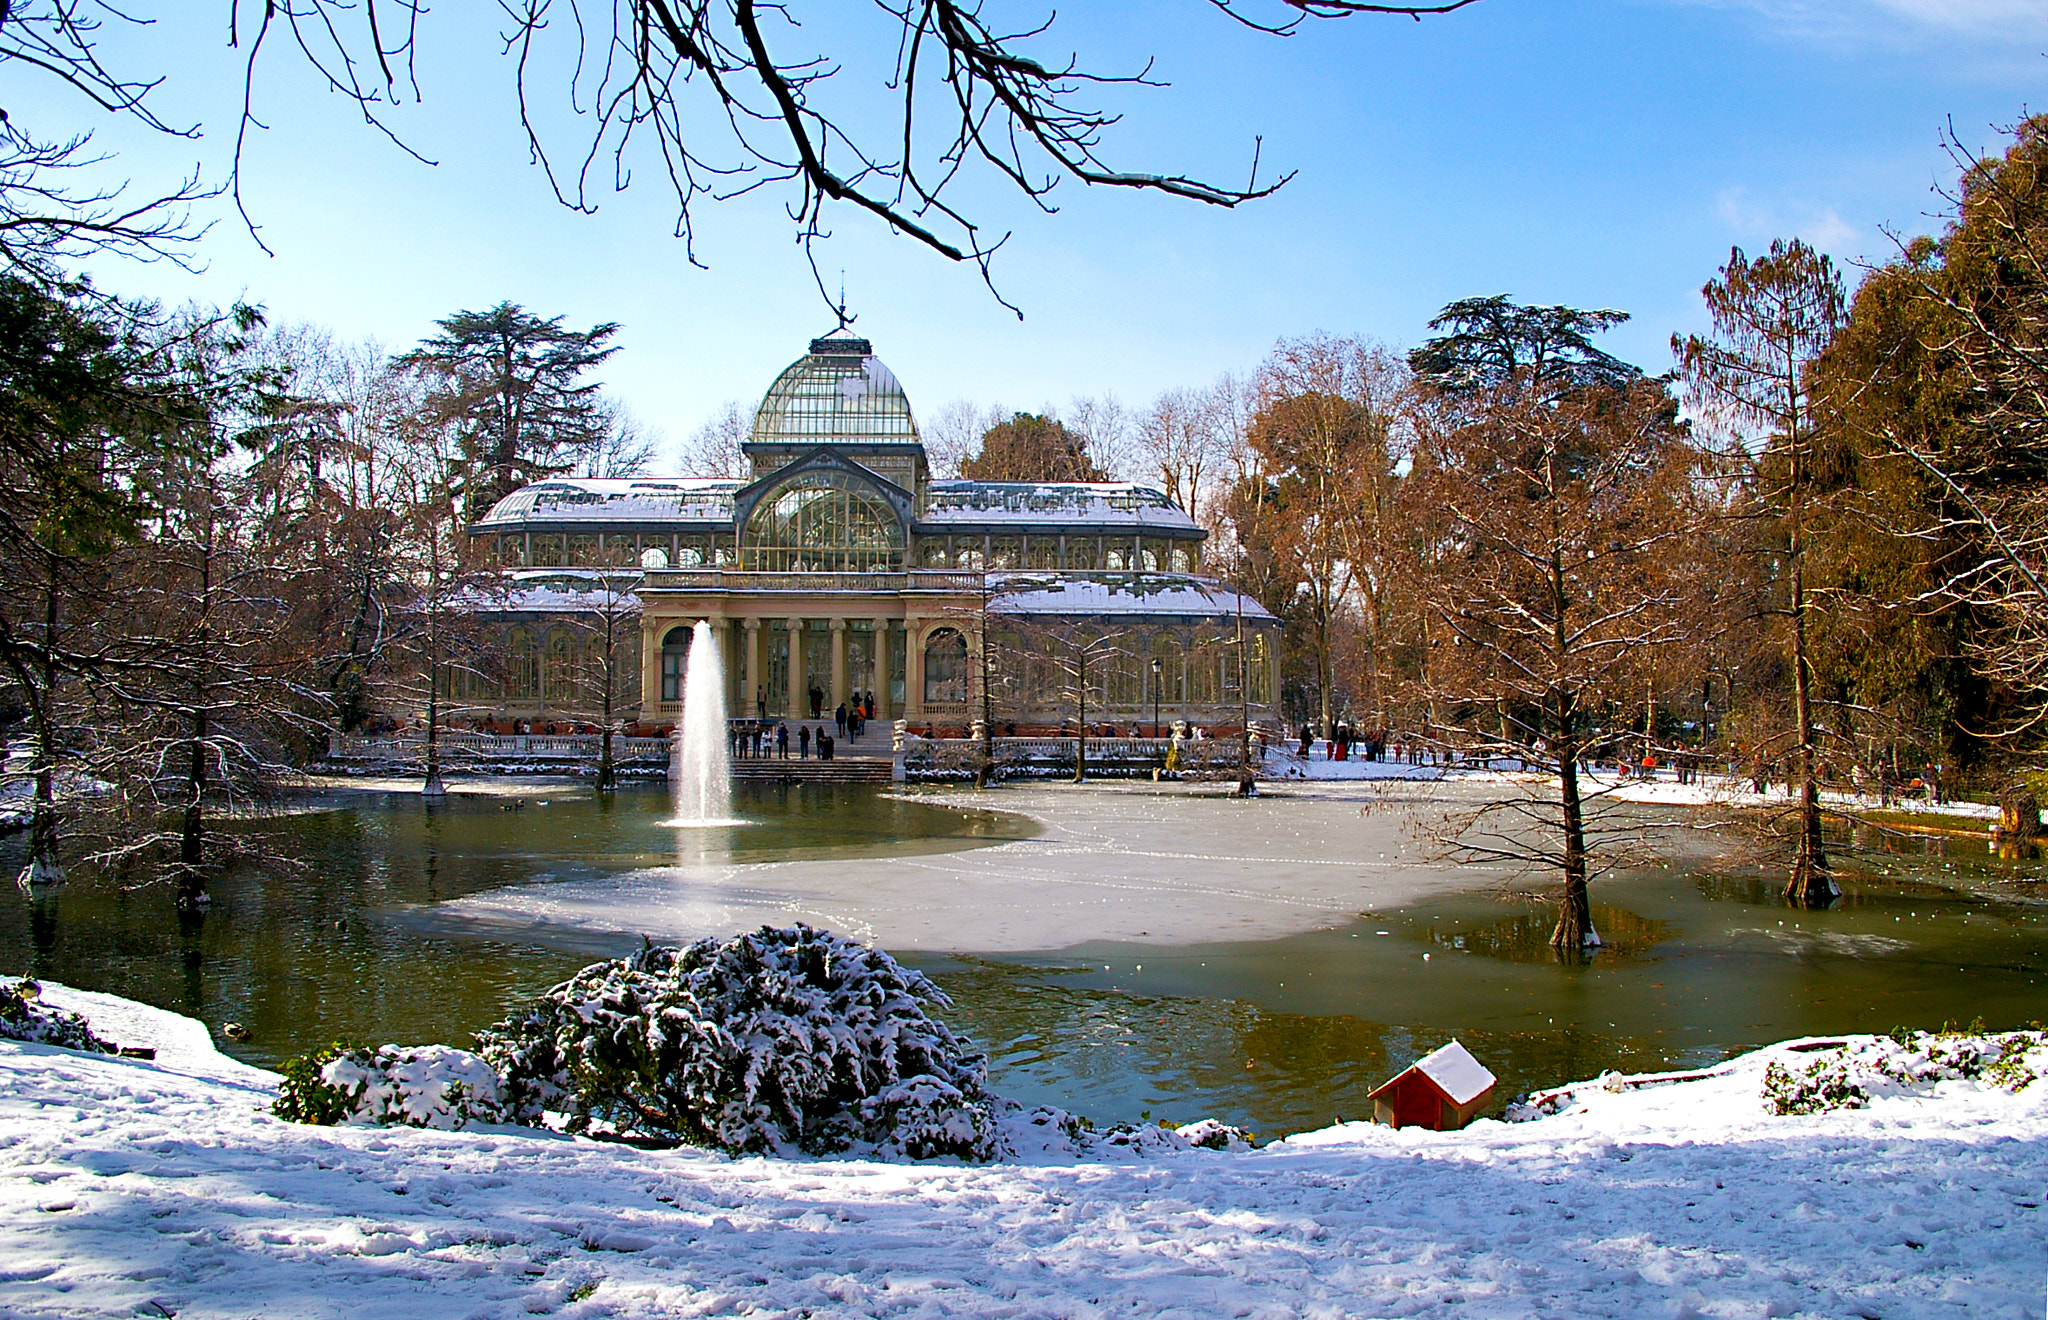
1345, 741
764, 738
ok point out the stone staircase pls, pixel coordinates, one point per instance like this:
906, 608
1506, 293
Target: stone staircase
839, 770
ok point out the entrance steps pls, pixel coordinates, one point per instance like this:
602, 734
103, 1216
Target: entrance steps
839, 770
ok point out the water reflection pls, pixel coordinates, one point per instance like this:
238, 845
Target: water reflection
1525, 936
1700, 960
304, 954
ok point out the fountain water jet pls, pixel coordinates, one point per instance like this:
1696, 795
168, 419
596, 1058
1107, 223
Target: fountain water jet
700, 775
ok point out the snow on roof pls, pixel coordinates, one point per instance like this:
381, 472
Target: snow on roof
1044, 501
1069, 592
1462, 1077
615, 499
556, 591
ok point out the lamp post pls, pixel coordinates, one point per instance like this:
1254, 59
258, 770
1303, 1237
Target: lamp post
1156, 667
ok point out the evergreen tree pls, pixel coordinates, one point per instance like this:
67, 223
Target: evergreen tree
512, 386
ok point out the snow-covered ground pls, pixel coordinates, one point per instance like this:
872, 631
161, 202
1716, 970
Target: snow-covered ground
1661, 787
139, 1189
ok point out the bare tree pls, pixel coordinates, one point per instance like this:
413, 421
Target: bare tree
1182, 445
714, 448
1559, 572
727, 97
1773, 317
952, 434
1106, 425
1066, 657
606, 614
625, 445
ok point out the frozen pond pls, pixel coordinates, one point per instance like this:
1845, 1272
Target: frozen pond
1119, 950
1115, 862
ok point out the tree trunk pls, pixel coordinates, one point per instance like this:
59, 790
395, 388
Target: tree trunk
1081, 707
191, 880
433, 788
607, 770
43, 867
1575, 907
1811, 886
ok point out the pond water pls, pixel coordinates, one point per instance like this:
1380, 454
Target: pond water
1276, 1034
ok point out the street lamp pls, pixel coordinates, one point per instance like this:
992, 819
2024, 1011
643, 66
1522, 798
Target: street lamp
1155, 696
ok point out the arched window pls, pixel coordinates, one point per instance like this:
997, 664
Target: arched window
522, 666
1259, 674
822, 522
558, 674
1123, 680
675, 662
933, 553
1183, 562
945, 668
1167, 679
1113, 559
1202, 667
1084, 552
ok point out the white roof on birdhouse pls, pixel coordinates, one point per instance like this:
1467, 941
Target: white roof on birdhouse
1462, 1077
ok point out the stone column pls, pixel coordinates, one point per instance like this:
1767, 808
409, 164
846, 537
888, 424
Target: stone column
837, 693
881, 669
651, 630
751, 677
799, 694
913, 668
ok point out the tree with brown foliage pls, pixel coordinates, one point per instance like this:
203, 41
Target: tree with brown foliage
1030, 447
1558, 572
1773, 318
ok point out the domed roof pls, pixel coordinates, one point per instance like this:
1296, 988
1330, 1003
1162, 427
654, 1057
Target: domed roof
839, 392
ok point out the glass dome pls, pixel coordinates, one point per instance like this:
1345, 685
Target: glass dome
822, 522
839, 391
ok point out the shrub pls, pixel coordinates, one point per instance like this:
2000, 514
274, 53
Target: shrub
1822, 1086
430, 1086
24, 1017
777, 1039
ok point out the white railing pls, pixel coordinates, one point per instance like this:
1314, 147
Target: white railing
412, 747
735, 579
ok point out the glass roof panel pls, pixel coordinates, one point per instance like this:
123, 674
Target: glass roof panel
839, 392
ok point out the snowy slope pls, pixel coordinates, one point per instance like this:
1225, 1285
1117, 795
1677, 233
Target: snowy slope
139, 1189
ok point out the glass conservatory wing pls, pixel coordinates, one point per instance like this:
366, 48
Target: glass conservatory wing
822, 522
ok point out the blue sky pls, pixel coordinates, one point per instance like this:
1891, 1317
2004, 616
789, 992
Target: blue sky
1601, 154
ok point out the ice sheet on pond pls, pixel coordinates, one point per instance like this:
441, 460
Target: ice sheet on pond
1114, 863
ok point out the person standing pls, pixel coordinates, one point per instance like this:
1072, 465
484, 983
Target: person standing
782, 741
803, 742
839, 718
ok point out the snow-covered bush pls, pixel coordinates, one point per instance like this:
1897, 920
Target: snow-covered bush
1866, 1066
430, 1086
23, 1016
777, 1039
1048, 1130
1823, 1085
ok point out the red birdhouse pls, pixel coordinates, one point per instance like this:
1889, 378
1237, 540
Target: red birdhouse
1442, 1091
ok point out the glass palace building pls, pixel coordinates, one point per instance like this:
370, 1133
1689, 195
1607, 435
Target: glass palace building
840, 567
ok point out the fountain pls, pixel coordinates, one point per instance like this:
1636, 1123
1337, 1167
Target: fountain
700, 776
